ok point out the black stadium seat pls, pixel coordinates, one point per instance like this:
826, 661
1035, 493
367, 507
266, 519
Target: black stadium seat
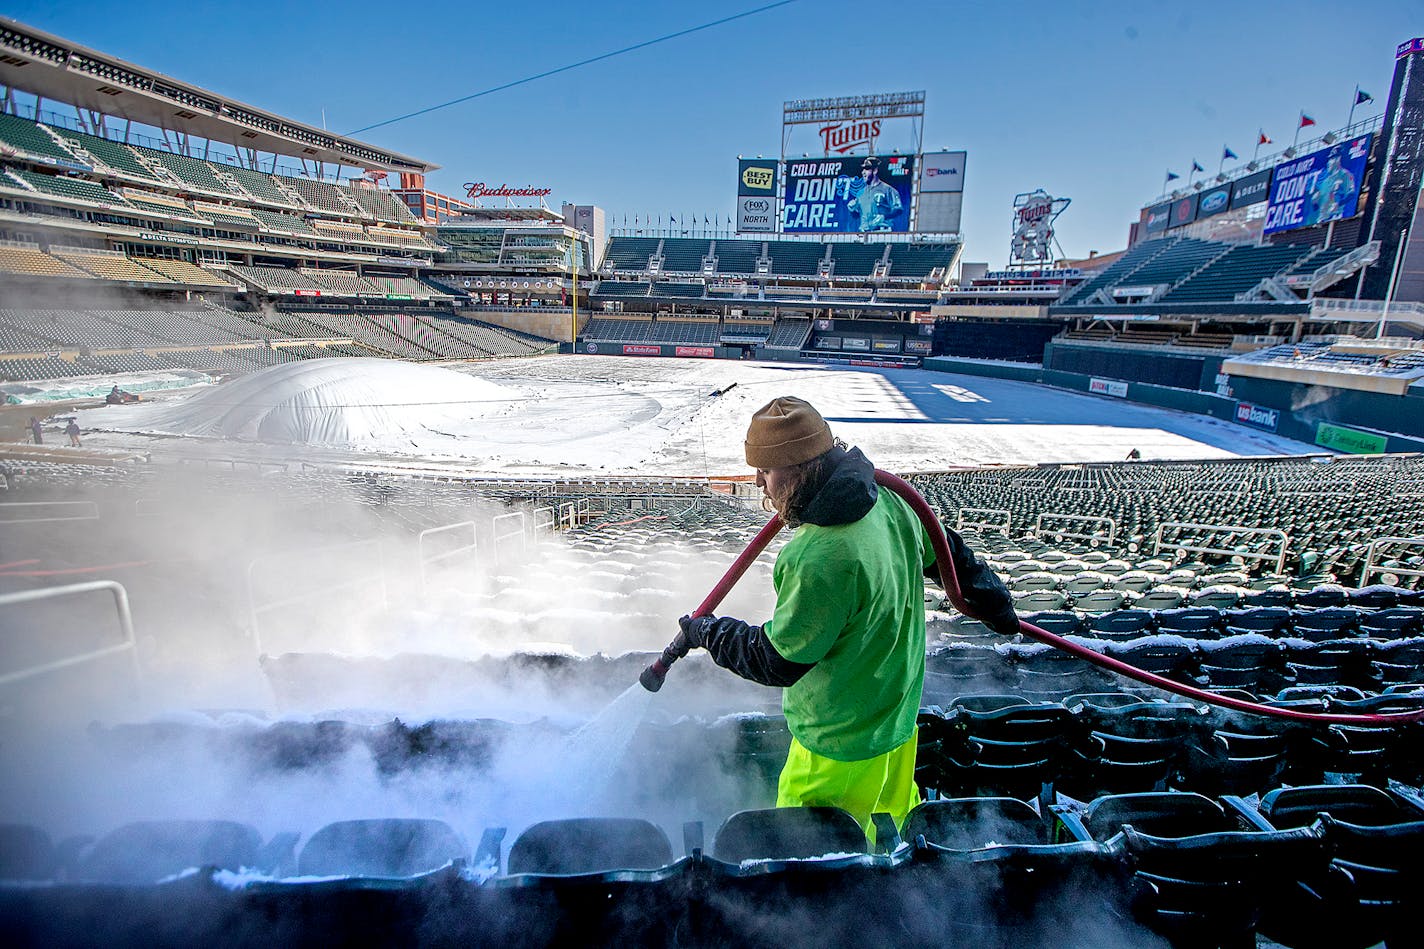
148, 851
590, 845
388, 847
787, 833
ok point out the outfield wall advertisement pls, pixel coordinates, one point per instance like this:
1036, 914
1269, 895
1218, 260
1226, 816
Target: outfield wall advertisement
858, 195
1317, 188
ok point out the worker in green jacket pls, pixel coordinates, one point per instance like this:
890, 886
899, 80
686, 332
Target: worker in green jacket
847, 638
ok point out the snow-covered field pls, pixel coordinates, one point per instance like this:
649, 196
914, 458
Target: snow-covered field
608, 415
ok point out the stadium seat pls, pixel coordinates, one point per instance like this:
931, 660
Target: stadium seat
148, 851
1268, 620
590, 845
26, 853
1355, 803
388, 847
1120, 625
1327, 623
1321, 596
1196, 622
973, 822
787, 833
1060, 622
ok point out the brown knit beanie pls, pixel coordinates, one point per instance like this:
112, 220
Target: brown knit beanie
786, 431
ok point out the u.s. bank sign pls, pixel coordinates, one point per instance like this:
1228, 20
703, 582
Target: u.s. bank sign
1258, 416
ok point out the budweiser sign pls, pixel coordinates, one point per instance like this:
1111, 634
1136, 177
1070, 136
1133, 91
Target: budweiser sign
841, 137
479, 189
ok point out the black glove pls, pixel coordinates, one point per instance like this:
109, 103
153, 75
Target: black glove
695, 628
742, 648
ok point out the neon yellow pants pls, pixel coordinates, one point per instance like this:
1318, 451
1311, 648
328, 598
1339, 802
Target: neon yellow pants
883, 783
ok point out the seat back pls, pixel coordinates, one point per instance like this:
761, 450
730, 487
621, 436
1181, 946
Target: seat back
26, 853
1159, 813
591, 845
390, 847
787, 833
1356, 803
973, 822
148, 851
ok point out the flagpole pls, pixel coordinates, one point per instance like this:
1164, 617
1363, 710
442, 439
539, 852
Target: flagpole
1260, 134
1299, 124
1354, 101
1221, 164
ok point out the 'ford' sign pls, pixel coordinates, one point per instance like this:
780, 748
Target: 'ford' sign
1259, 416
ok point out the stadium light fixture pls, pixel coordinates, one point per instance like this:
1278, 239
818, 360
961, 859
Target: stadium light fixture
1221, 177
1252, 165
1329, 138
1289, 152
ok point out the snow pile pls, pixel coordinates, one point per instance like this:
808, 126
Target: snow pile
338, 403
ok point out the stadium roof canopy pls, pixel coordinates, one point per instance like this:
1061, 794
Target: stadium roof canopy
48, 66
504, 215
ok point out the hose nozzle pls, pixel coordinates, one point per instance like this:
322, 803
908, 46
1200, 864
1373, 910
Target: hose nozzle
653, 676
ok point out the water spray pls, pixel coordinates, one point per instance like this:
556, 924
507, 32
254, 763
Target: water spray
653, 676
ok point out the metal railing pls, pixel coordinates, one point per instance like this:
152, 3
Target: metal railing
121, 607
1372, 558
1064, 533
90, 509
1278, 556
470, 550
976, 518
506, 528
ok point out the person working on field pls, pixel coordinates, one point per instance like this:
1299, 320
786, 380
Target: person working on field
847, 638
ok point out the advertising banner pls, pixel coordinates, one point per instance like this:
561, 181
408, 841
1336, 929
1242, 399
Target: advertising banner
1253, 189
847, 195
825, 342
942, 171
1320, 187
1350, 440
918, 346
1184, 211
756, 176
756, 214
939, 212
856, 342
699, 352
631, 349
1257, 415
1108, 387
885, 344
1157, 218
1213, 201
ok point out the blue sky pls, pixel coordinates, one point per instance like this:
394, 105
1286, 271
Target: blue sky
1093, 104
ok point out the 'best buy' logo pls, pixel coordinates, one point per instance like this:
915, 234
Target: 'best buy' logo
758, 178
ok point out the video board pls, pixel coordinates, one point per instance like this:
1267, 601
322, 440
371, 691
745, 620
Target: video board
1318, 188
856, 195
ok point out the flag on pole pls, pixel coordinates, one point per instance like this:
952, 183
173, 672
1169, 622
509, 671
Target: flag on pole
1264, 139
1172, 176
1227, 153
1306, 120
1361, 97
1196, 167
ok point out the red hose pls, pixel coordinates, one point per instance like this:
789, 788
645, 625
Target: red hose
740, 565
951, 588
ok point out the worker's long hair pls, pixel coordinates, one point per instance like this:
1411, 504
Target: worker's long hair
808, 478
